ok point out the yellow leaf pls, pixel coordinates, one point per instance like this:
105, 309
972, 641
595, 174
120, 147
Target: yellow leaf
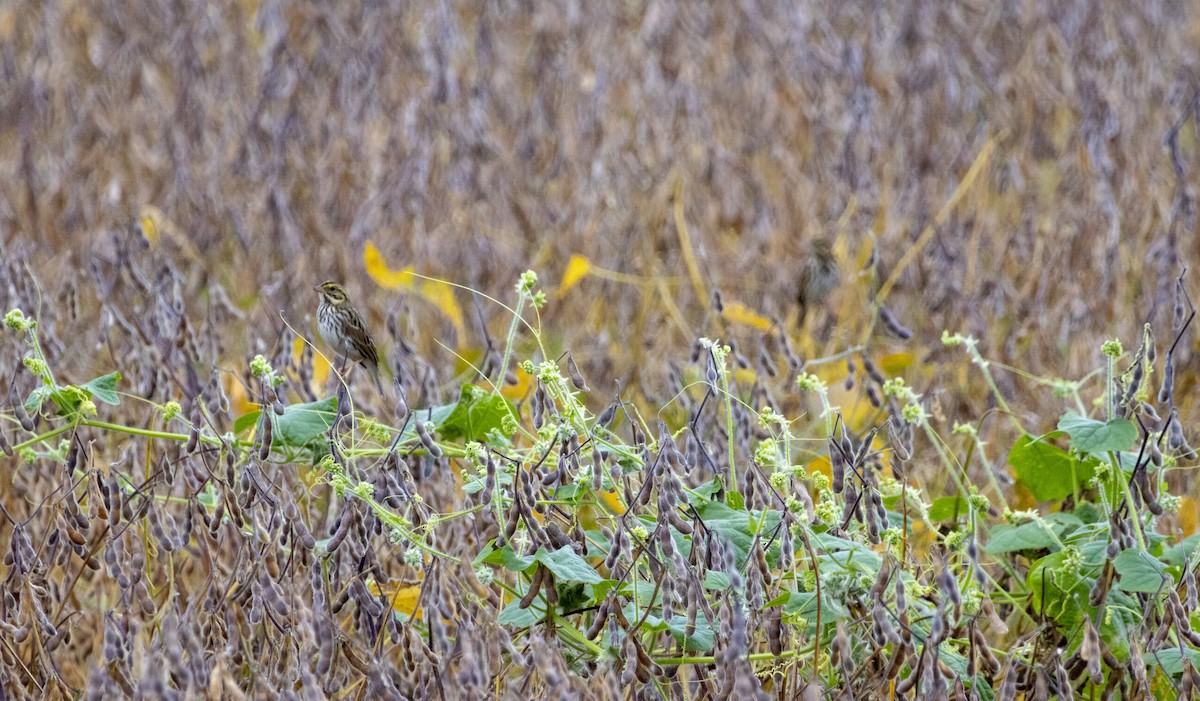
384, 276
612, 502
156, 227
588, 517
744, 376
518, 390
403, 598
437, 292
830, 373
238, 399
320, 370
149, 229
1189, 515
856, 411
739, 313
821, 465
922, 538
577, 268
896, 363
441, 295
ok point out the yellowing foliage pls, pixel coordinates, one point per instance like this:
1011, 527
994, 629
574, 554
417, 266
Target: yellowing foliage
612, 502
744, 376
156, 226
149, 228
239, 400
1189, 515
739, 313
519, 390
895, 364
821, 465
441, 295
437, 292
578, 268
402, 598
320, 362
384, 276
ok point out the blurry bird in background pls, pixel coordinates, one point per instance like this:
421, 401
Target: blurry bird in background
819, 276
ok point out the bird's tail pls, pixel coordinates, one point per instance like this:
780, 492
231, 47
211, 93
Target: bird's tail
375, 376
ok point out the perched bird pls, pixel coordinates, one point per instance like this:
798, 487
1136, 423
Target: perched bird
819, 276
345, 330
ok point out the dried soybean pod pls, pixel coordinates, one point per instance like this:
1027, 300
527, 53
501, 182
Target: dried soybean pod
575, 375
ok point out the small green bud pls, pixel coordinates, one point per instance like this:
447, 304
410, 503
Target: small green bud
951, 340
15, 319
1072, 562
508, 424
894, 387
526, 282
1062, 388
413, 557
808, 382
768, 416
912, 413
28, 455
972, 601
260, 368
828, 511
1112, 349
889, 487
640, 532
547, 372
170, 410
1017, 517
37, 366
375, 431
766, 453
979, 503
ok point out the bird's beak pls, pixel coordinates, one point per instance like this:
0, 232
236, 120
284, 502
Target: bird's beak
317, 288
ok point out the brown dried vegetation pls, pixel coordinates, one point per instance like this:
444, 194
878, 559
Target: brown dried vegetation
175, 177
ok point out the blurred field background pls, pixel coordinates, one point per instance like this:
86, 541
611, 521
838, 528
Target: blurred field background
1021, 172
472, 142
